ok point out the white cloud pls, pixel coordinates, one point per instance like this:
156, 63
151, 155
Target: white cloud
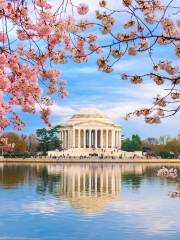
63, 111
81, 70
139, 207
131, 98
133, 64
47, 207
119, 110
130, 65
144, 92
113, 110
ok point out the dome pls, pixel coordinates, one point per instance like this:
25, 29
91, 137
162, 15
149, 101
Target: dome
89, 114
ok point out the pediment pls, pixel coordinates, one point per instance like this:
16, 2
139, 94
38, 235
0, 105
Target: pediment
91, 124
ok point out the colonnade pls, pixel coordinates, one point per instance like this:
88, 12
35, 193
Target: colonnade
90, 138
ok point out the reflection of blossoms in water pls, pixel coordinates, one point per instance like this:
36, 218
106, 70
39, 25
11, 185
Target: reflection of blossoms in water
174, 194
169, 173
165, 172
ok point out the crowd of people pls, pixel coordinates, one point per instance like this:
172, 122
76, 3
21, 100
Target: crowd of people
95, 156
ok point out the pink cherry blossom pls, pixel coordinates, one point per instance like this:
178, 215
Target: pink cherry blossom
3, 37
82, 9
44, 34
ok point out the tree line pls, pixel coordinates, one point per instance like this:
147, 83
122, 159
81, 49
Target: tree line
46, 139
164, 147
30, 145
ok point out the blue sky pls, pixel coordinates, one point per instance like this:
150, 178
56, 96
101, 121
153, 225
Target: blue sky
89, 87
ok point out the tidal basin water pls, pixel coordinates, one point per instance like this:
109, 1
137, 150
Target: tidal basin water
87, 201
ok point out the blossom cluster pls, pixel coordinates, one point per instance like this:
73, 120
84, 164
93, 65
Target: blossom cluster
149, 23
43, 36
5, 145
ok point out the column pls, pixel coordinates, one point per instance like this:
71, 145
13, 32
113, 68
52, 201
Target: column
101, 140
119, 137
73, 135
106, 138
61, 137
67, 140
89, 138
64, 138
64, 142
71, 138
84, 145
113, 138
95, 138
79, 140
116, 139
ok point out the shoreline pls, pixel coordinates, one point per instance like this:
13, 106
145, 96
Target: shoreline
67, 160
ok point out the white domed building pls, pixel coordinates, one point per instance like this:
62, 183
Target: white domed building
90, 129
88, 132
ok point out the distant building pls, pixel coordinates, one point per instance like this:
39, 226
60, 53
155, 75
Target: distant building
151, 140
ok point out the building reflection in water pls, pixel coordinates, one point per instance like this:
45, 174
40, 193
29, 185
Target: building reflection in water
88, 188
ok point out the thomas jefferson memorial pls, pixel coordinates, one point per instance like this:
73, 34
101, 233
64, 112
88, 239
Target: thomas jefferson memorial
90, 132
90, 129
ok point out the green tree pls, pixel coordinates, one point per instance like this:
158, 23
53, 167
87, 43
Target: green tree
133, 144
136, 142
165, 154
48, 139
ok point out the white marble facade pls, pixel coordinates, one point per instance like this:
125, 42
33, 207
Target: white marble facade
90, 128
